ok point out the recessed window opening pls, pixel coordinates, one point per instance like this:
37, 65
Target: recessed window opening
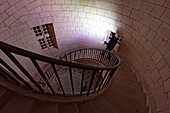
45, 35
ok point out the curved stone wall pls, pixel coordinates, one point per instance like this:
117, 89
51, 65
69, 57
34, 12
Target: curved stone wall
143, 24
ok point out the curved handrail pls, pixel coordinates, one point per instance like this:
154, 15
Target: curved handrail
104, 73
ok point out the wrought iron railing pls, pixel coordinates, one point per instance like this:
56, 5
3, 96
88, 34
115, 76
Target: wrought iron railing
65, 76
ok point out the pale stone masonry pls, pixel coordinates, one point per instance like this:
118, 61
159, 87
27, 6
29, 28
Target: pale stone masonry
143, 24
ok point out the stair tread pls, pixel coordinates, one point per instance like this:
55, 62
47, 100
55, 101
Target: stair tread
43, 107
87, 107
137, 95
126, 86
2, 91
102, 106
132, 104
17, 104
4, 98
126, 72
129, 83
68, 108
115, 104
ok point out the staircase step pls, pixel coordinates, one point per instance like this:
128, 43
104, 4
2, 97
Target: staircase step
137, 95
4, 98
120, 77
87, 107
2, 91
125, 71
116, 105
17, 104
43, 107
102, 106
126, 76
126, 86
132, 104
129, 83
68, 108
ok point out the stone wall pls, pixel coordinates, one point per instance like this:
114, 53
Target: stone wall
143, 24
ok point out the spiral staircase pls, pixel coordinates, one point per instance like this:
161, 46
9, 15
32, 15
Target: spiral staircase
81, 81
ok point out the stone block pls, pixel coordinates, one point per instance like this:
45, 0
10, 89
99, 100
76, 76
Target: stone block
164, 31
147, 7
119, 9
158, 84
36, 10
87, 9
165, 72
161, 63
23, 19
46, 14
16, 23
166, 16
138, 47
12, 2
3, 27
21, 12
33, 16
160, 102
159, 2
157, 40
167, 4
4, 6
163, 47
101, 12
21, 3
155, 24
137, 25
60, 1
136, 14
155, 75
151, 34
152, 51
167, 85
9, 20
106, 5
169, 100
127, 20
93, 10
79, 8
113, 7
142, 40
57, 7
3, 17
136, 35
148, 77
34, 4
127, 11
148, 45
49, 1
2, 1
157, 57
135, 4
108, 13
46, 8
11, 10
166, 56
157, 11
123, 2
146, 19
4, 35
116, 16
82, 15
144, 30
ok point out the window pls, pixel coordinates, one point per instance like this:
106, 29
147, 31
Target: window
45, 35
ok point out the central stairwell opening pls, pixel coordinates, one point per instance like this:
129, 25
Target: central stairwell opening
79, 81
